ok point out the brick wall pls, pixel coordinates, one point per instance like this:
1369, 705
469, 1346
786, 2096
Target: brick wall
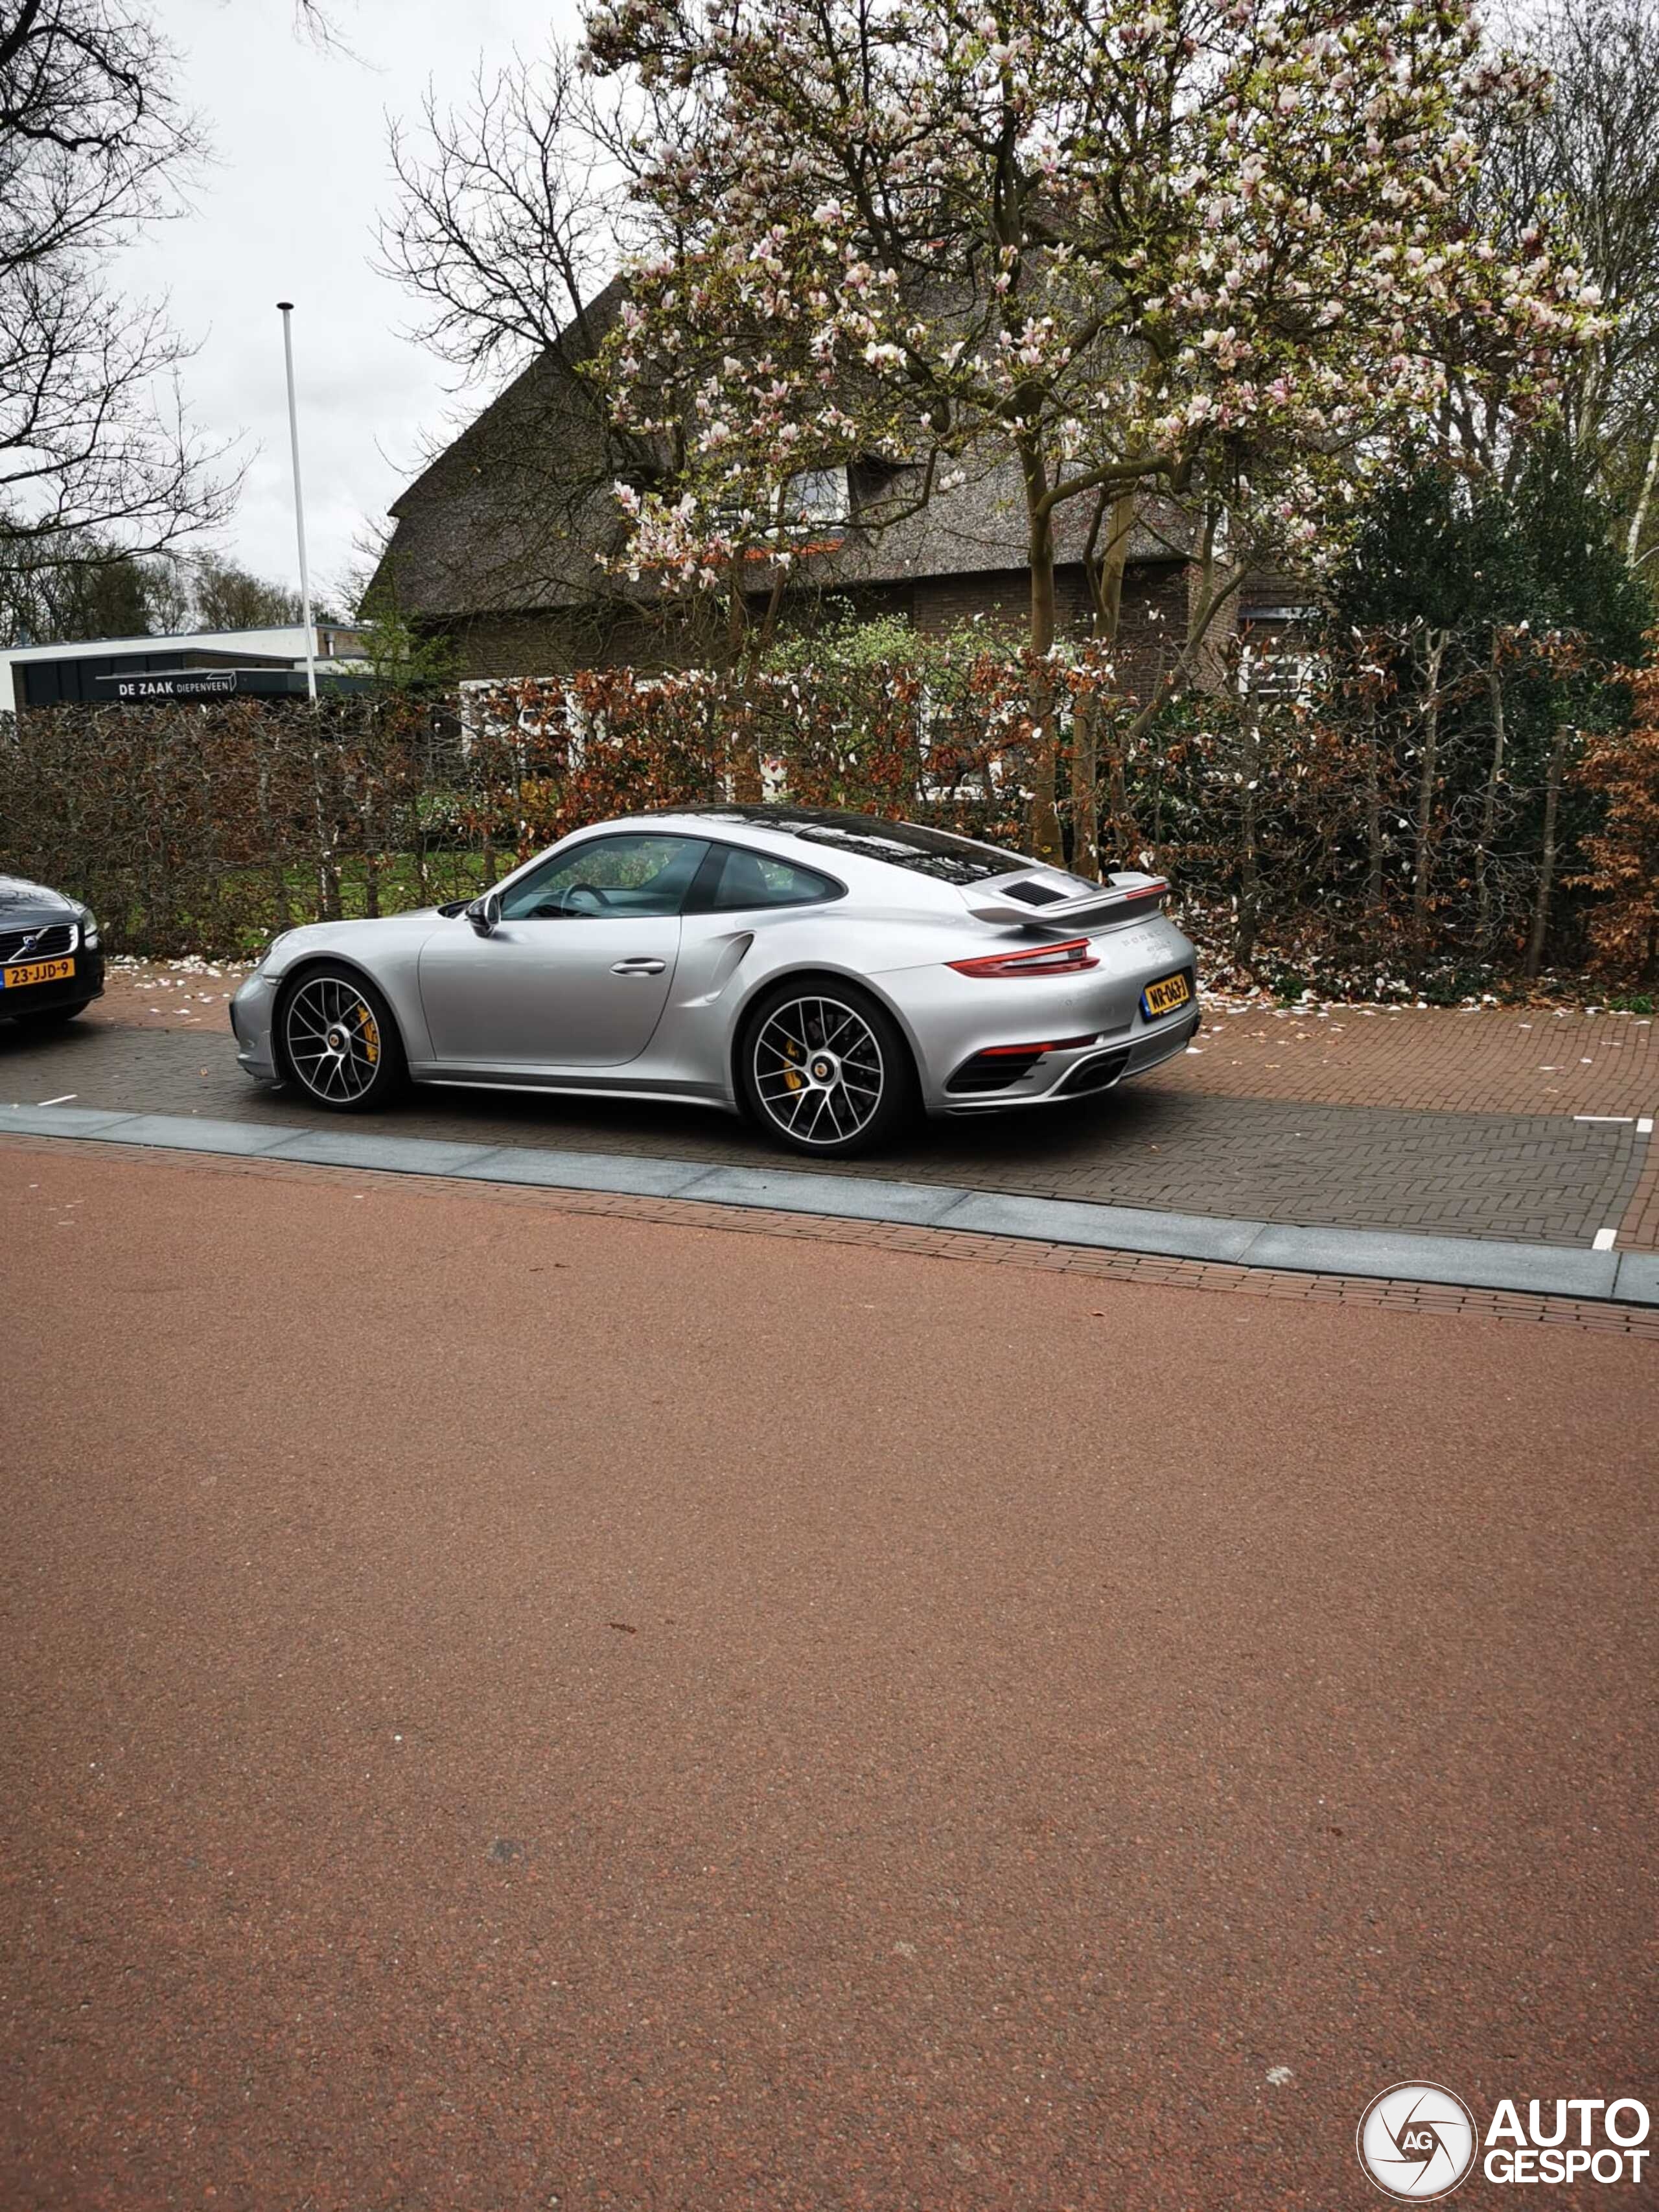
548, 641
1151, 625
545, 642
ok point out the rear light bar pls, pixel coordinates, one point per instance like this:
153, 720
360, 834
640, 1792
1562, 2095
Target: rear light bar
1054, 1044
1069, 958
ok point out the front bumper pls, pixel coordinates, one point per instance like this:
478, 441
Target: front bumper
18, 999
252, 1011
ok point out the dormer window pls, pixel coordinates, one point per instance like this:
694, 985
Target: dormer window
816, 497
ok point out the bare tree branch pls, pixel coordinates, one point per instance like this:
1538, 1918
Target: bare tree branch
97, 458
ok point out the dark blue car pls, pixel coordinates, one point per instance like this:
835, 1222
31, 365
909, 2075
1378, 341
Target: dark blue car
52, 966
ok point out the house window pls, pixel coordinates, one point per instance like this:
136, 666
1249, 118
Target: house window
1278, 664
816, 496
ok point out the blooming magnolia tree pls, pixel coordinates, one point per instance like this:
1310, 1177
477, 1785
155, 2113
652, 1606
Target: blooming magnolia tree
1221, 252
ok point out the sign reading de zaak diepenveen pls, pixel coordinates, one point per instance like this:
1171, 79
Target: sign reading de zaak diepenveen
195, 684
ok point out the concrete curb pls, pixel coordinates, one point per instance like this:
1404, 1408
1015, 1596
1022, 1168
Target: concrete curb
1467, 1263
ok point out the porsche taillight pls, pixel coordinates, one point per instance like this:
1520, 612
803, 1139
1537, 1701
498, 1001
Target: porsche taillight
1069, 958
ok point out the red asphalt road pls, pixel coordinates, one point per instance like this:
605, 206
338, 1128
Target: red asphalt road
509, 1709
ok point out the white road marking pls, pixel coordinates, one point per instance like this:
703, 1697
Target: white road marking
1644, 1127
64, 1101
1603, 1240
1604, 1117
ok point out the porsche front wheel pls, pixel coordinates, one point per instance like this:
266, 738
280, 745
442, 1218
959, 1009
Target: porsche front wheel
339, 1041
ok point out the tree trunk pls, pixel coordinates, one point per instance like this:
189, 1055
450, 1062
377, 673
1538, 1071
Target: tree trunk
1105, 578
1430, 709
1489, 804
1085, 805
1540, 912
274, 845
1125, 836
743, 757
328, 875
1373, 833
1200, 622
1249, 871
747, 782
1046, 842
749, 773
1633, 541
159, 888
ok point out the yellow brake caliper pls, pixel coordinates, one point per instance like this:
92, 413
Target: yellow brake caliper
790, 1077
369, 1034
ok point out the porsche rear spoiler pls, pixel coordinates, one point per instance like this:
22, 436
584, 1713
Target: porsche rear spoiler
1094, 909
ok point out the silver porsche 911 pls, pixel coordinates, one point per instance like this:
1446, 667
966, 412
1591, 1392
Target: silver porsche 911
825, 973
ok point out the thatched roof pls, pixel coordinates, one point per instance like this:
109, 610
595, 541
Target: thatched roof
515, 514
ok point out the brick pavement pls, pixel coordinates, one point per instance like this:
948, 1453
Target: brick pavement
1639, 1229
1148, 1270
1458, 1123
509, 1710
1500, 1060
1528, 1060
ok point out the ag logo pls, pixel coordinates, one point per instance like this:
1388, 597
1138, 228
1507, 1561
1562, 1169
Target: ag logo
1417, 2141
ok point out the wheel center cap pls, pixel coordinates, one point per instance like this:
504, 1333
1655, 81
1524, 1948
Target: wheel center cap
336, 1041
823, 1068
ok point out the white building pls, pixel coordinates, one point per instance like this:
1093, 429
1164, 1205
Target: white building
101, 671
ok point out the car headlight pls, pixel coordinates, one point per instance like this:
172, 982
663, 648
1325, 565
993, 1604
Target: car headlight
88, 929
269, 948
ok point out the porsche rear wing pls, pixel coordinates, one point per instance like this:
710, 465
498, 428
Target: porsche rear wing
1114, 902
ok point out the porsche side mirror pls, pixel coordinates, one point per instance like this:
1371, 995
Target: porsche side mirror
485, 913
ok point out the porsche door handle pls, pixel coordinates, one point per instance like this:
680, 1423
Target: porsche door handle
639, 966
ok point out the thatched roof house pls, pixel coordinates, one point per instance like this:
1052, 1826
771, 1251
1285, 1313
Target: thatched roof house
501, 543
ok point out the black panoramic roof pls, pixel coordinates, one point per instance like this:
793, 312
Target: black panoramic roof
908, 845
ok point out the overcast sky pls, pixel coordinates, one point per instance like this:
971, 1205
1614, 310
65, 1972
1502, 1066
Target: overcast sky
287, 213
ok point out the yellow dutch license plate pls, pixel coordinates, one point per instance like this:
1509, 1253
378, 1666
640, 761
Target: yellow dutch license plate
36, 971
1164, 996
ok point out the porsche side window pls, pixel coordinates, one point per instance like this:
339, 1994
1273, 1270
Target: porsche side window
616, 876
741, 879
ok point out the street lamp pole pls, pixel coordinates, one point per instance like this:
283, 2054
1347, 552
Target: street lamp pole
285, 308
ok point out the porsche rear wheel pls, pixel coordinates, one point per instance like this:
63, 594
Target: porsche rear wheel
825, 1070
339, 1042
